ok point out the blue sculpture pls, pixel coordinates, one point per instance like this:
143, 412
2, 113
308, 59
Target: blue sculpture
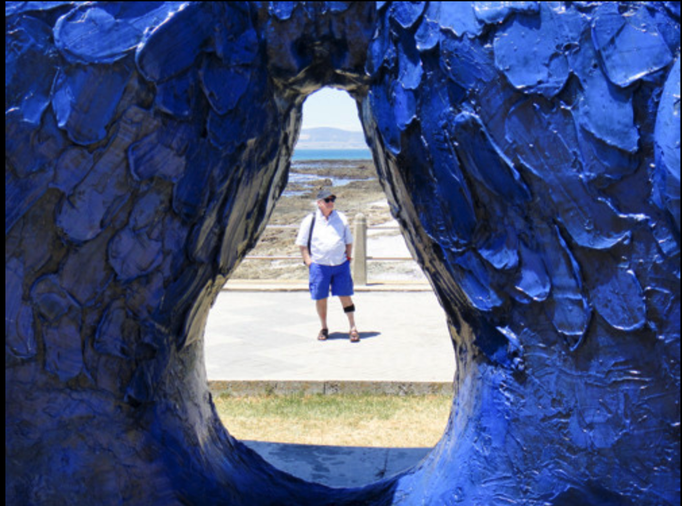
529, 150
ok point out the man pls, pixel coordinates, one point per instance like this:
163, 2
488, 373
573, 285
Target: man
326, 244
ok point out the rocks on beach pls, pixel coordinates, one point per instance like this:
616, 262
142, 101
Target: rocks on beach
358, 190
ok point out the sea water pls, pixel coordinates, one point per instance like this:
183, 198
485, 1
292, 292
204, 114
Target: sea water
331, 154
311, 158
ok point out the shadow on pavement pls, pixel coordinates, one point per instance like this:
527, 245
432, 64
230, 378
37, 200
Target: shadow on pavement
344, 335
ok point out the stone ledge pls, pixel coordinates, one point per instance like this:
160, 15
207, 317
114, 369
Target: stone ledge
276, 387
302, 286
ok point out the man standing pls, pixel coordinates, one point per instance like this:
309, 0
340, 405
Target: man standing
326, 244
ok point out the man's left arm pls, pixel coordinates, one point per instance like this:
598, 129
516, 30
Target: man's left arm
348, 241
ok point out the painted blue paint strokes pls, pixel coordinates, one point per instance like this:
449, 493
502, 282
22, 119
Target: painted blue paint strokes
666, 172
407, 13
104, 33
28, 45
549, 155
409, 64
84, 213
177, 96
83, 265
498, 12
617, 295
64, 357
189, 203
630, 46
175, 44
116, 334
14, 8
225, 132
405, 105
467, 62
381, 48
454, 204
474, 280
161, 154
427, 35
603, 163
386, 120
235, 40
223, 85
72, 166
530, 50
133, 254
484, 161
532, 282
61, 317
459, 18
501, 250
568, 308
20, 336
31, 149
283, 10
22, 193
85, 99
603, 109
447, 228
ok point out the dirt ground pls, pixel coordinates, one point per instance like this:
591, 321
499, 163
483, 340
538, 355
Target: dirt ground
358, 190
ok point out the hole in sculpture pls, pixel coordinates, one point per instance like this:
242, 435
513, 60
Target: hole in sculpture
272, 378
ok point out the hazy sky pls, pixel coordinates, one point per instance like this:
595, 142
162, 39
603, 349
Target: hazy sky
331, 108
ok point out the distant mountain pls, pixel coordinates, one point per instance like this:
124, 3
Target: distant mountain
330, 138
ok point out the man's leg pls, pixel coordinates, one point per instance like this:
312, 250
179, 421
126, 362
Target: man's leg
321, 306
319, 291
342, 286
349, 309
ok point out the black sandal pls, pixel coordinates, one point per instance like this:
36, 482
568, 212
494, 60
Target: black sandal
323, 335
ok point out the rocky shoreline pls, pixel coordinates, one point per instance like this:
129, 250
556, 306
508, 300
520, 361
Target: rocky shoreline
357, 187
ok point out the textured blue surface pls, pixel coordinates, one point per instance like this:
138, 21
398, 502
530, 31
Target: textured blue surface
529, 150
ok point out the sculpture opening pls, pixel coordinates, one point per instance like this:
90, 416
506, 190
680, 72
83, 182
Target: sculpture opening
260, 337
529, 151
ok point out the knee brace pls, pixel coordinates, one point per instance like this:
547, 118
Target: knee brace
349, 309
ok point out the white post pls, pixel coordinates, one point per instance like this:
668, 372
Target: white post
359, 263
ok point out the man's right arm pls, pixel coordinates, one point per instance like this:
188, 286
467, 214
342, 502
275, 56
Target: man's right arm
305, 254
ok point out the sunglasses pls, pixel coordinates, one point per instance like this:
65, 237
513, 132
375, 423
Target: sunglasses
330, 199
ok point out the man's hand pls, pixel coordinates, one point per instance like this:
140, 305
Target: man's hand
305, 254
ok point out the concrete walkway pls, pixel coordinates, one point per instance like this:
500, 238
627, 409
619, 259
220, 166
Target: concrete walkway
270, 336
261, 338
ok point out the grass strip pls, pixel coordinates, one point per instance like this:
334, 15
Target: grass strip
374, 420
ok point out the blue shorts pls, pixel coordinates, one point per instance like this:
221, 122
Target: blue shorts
324, 276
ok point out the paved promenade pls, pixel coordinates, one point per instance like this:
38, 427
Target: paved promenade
270, 336
263, 338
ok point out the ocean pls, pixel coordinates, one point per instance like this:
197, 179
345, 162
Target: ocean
331, 154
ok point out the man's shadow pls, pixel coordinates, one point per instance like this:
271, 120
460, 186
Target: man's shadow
344, 335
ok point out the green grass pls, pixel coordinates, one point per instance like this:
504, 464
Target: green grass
340, 419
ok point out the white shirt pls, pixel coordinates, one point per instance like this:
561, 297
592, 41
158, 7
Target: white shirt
330, 237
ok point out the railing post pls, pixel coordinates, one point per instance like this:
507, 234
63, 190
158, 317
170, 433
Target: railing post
359, 263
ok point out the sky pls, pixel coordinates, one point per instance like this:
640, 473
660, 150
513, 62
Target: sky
330, 107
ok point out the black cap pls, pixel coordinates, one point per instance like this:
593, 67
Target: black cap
323, 194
